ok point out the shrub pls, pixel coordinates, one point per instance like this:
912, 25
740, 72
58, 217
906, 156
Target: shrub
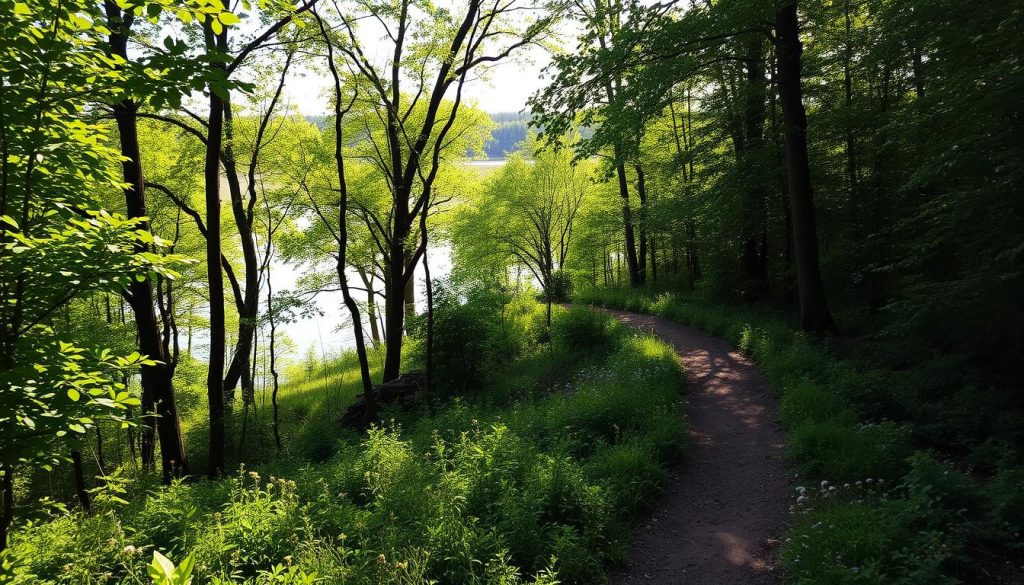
560, 287
581, 329
491, 487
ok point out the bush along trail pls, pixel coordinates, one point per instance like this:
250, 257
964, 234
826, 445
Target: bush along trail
723, 511
875, 500
535, 476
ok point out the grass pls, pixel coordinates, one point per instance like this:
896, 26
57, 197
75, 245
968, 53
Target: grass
533, 484
900, 484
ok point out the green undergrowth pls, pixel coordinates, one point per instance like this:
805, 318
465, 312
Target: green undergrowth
878, 499
533, 484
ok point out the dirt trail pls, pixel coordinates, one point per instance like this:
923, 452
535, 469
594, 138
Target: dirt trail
724, 506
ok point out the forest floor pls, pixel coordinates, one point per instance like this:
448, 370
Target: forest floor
724, 507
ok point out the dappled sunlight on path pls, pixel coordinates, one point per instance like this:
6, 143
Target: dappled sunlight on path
724, 506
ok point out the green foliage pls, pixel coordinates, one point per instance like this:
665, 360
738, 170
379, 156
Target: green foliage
57, 244
475, 331
163, 571
881, 513
538, 486
560, 287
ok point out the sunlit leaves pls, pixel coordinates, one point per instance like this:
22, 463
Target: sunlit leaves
56, 245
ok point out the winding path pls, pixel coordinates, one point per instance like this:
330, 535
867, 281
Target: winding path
724, 506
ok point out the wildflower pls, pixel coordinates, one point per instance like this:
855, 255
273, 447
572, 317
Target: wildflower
129, 550
824, 484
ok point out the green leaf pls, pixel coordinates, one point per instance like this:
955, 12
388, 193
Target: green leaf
74, 394
161, 569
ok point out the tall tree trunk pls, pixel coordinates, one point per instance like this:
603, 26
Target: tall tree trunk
7, 515
430, 301
754, 262
157, 380
627, 222
247, 312
814, 313
410, 293
78, 475
394, 310
215, 374
339, 160
641, 194
371, 305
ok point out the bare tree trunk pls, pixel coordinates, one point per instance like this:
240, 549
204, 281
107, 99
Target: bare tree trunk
79, 479
215, 375
247, 312
157, 380
7, 516
394, 313
339, 112
371, 304
410, 293
430, 303
641, 193
629, 243
814, 314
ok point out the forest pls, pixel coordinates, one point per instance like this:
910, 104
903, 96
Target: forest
511, 291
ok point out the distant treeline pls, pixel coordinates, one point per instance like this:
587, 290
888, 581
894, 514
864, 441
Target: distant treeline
507, 136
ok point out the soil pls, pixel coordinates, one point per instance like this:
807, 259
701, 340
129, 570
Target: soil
724, 507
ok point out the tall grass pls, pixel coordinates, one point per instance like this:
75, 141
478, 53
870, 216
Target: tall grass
503, 485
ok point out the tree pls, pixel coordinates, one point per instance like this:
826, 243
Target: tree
814, 313
56, 244
530, 207
433, 53
157, 378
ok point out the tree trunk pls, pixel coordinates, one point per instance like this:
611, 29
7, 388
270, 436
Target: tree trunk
7, 516
371, 304
430, 303
641, 193
814, 313
157, 380
215, 374
394, 311
79, 478
627, 222
410, 293
754, 262
339, 161
250, 297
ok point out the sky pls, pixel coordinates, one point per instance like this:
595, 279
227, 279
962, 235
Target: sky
504, 88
